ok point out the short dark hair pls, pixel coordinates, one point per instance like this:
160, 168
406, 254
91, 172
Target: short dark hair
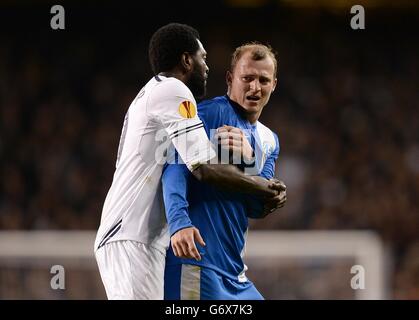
169, 43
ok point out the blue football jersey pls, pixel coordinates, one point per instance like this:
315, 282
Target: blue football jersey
220, 216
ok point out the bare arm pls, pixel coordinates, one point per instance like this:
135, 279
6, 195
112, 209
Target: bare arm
230, 178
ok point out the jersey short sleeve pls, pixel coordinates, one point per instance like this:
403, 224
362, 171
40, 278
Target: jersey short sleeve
172, 105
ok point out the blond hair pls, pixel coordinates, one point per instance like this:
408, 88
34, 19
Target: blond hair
258, 51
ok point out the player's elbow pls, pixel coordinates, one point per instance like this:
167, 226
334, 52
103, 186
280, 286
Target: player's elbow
215, 173
201, 173
209, 173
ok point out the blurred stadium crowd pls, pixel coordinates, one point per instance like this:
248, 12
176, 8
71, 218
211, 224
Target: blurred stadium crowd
346, 111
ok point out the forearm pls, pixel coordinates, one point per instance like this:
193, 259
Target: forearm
230, 178
174, 185
177, 219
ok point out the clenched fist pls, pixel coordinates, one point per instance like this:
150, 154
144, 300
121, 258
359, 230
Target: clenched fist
234, 140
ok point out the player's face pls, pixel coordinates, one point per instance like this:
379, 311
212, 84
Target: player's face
251, 84
198, 78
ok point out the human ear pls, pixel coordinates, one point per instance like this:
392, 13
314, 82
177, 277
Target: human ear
186, 61
229, 78
274, 86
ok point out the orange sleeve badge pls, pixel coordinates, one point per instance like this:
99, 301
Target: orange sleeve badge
187, 109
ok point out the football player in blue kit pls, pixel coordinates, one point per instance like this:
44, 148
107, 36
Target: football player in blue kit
217, 220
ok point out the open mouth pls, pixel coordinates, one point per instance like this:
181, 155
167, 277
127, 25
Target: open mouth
253, 98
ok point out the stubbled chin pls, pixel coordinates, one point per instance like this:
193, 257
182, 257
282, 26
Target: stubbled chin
251, 105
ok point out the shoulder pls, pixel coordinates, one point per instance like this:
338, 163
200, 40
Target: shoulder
214, 112
216, 108
168, 88
215, 104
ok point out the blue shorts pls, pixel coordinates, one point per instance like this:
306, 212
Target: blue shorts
191, 282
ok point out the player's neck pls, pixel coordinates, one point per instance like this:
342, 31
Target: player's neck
252, 118
174, 74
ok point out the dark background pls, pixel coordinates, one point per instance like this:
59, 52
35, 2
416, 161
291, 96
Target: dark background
346, 110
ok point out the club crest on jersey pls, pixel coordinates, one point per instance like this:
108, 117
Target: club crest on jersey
187, 109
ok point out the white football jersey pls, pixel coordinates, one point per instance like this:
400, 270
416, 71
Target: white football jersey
163, 113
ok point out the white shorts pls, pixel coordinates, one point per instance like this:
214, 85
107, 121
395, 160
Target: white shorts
131, 270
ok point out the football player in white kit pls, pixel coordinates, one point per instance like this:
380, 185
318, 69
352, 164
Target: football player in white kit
132, 239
